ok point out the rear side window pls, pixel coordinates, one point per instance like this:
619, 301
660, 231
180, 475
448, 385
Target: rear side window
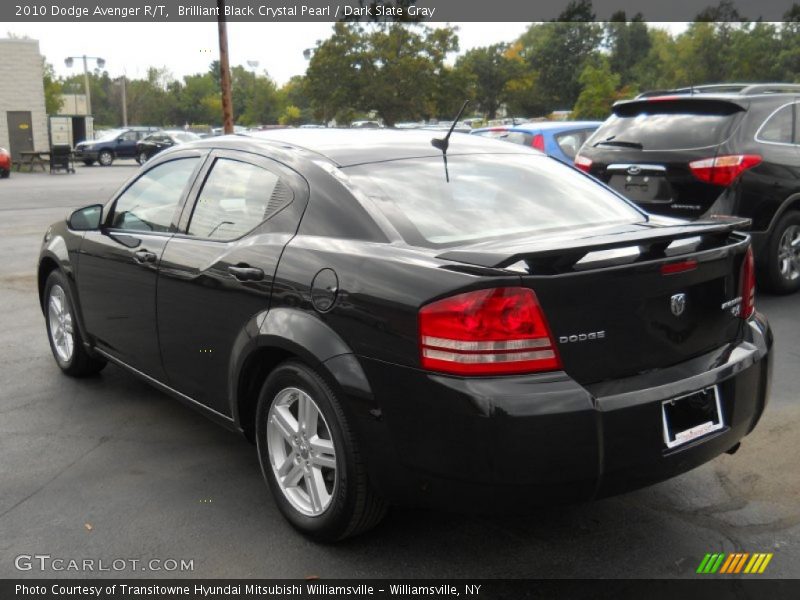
488, 196
571, 141
778, 127
668, 125
236, 198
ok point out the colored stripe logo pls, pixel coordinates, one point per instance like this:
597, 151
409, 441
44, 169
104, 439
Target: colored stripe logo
735, 563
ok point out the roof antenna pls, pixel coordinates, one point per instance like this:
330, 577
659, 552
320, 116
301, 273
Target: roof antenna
443, 143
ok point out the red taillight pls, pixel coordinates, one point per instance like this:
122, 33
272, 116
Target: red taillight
583, 163
723, 170
748, 291
538, 142
679, 267
497, 331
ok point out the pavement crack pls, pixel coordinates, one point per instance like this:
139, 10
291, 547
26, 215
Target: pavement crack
22, 501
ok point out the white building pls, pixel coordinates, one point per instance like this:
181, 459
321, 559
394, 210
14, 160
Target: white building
23, 118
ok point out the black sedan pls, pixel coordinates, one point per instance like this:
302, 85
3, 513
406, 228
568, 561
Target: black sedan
393, 320
161, 140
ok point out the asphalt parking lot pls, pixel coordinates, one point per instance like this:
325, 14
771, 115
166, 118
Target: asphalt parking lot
109, 468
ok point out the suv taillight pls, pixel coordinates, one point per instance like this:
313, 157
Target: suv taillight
496, 331
583, 163
748, 281
538, 142
723, 170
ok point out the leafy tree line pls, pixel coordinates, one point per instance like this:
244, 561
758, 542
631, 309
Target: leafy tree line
405, 72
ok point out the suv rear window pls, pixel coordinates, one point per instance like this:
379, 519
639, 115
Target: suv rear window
488, 196
668, 125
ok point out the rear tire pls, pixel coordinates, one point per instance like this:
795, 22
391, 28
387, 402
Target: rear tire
323, 490
63, 332
783, 255
105, 158
141, 158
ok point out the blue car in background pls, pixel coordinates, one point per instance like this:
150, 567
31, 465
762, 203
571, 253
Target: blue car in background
559, 139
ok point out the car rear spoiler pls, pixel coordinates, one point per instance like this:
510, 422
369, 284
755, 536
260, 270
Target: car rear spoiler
680, 102
549, 257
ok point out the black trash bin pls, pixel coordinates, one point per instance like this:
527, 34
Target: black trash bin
61, 158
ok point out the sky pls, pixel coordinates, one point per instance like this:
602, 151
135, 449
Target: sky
187, 48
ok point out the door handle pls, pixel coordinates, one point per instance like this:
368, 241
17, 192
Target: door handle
245, 273
144, 256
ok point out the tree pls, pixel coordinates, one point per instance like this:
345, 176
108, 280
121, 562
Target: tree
628, 43
490, 69
393, 69
52, 90
333, 77
599, 90
291, 116
557, 52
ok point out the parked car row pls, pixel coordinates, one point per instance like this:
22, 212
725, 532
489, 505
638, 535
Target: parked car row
111, 144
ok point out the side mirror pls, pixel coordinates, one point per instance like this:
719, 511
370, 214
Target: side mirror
86, 218
120, 140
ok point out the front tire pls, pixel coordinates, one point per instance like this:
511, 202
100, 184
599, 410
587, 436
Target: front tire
62, 330
310, 459
105, 158
783, 255
141, 158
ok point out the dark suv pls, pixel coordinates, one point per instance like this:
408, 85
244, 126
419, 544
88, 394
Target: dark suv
111, 144
729, 149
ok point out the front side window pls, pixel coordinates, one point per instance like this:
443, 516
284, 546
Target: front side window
150, 202
778, 127
487, 196
236, 198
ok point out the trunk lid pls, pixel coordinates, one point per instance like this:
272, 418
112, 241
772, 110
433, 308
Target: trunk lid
612, 309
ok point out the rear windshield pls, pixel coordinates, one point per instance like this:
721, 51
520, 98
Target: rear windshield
488, 196
667, 125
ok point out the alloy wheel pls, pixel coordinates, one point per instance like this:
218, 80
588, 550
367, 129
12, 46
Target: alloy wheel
61, 327
105, 158
789, 253
301, 451
142, 158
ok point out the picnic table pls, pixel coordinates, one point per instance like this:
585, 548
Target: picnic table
31, 158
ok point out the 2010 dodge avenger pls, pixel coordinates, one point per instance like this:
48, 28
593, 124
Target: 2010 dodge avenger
456, 323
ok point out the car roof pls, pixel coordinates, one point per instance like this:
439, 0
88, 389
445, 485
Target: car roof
542, 126
555, 125
357, 146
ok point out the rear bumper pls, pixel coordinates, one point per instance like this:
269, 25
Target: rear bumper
510, 443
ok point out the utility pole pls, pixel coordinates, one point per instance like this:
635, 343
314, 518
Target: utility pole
225, 70
88, 90
124, 102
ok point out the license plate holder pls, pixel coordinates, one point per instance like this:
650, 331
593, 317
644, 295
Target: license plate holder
642, 188
691, 416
